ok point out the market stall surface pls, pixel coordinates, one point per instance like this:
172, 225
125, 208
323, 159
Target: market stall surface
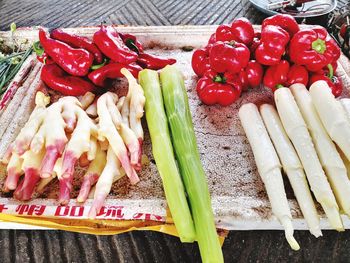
139, 246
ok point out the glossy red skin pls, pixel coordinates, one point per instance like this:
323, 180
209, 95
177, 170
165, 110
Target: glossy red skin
137, 43
297, 74
45, 59
272, 45
287, 22
54, 77
200, 61
78, 42
112, 46
224, 57
255, 73
212, 39
301, 52
100, 77
241, 30
154, 62
211, 92
75, 61
335, 83
276, 75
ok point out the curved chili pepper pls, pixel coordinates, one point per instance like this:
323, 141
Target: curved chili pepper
313, 48
76, 62
333, 81
213, 88
297, 74
200, 61
276, 76
112, 45
154, 62
272, 45
101, 77
287, 22
241, 30
232, 56
78, 42
131, 42
57, 79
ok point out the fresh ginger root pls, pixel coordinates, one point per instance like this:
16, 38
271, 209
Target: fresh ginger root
107, 130
133, 108
112, 171
92, 174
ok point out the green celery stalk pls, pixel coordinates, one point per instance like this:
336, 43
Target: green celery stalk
164, 156
187, 155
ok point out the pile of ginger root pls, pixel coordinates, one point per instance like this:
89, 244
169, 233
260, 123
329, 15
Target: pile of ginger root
105, 134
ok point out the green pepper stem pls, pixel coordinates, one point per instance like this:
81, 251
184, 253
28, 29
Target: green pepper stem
319, 46
331, 71
278, 86
220, 79
97, 66
38, 48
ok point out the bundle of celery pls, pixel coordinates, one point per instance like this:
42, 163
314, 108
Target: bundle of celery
184, 141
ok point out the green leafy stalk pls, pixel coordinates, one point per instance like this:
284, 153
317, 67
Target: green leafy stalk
164, 155
192, 172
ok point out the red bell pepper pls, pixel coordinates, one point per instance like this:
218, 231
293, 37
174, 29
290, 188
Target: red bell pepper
212, 39
215, 88
76, 62
228, 56
200, 61
112, 45
251, 76
241, 30
272, 45
313, 48
57, 79
297, 74
131, 42
154, 62
287, 22
78, 42
102, 76
333, 81
276, 76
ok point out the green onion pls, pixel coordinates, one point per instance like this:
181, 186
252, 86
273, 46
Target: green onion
164, 155
186, 151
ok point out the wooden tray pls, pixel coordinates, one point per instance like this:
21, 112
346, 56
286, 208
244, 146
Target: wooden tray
239, 199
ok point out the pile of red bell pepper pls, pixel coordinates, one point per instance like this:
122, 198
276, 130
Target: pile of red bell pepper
237, 58
75, 65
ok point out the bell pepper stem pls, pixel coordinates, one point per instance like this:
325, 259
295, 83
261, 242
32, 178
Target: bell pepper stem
331, 71
219, 79
279, 86
319, 46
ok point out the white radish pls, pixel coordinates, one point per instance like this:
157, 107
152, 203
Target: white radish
332, 115
269, 167
327, 152
346, 105
292, 167
296, 129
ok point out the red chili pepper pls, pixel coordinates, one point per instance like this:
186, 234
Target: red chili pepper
272, 45
200, 61
241, 30
287, 22
101, 77
213, 88
154, 62
112, 45
76, 62
131, 42
313, 48
228, 56
277, 75
333, 81
78, 42
45, 59
297, 74
57, 79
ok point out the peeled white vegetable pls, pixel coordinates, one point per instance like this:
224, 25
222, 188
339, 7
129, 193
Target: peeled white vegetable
295, 127
269, 167
292, 167
346, 105
332, 115
327, 152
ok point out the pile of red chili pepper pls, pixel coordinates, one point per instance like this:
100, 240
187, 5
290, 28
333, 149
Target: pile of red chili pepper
75, 65
237, 58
